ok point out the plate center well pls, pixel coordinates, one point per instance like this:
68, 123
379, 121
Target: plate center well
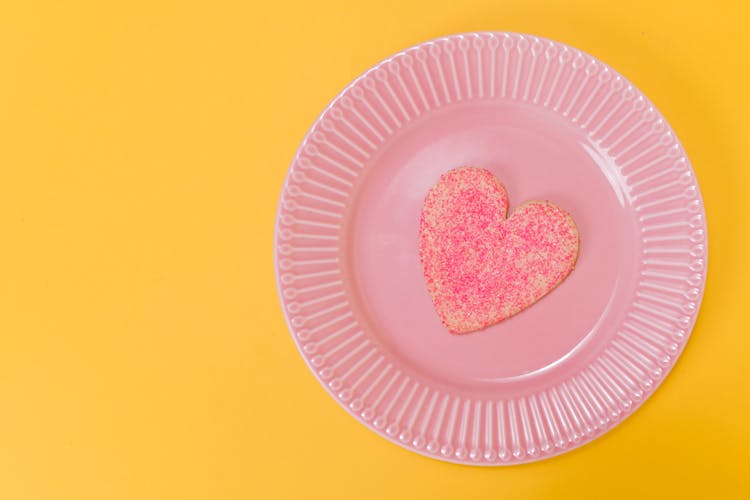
537, 156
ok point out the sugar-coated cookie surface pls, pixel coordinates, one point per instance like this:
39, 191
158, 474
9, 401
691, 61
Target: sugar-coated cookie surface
481, 267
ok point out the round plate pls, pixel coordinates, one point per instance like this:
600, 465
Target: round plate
551, 123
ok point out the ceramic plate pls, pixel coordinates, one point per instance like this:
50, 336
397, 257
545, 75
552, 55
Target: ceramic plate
551, 122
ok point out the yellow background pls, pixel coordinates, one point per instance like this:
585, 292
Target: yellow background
143, 354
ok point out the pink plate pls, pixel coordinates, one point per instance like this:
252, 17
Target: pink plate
552, 123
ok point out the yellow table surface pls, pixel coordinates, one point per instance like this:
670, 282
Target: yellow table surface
143, 353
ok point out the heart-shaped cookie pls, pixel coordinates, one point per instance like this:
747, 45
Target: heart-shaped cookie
481, 267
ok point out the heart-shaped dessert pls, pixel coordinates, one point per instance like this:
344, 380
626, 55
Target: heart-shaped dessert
482, 267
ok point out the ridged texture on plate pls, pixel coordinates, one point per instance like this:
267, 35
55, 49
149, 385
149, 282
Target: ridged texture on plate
370, 382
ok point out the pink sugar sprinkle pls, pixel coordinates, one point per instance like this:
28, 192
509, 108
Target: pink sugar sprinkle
480, 267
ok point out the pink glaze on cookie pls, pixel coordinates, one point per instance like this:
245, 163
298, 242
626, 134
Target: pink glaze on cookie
480, 267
